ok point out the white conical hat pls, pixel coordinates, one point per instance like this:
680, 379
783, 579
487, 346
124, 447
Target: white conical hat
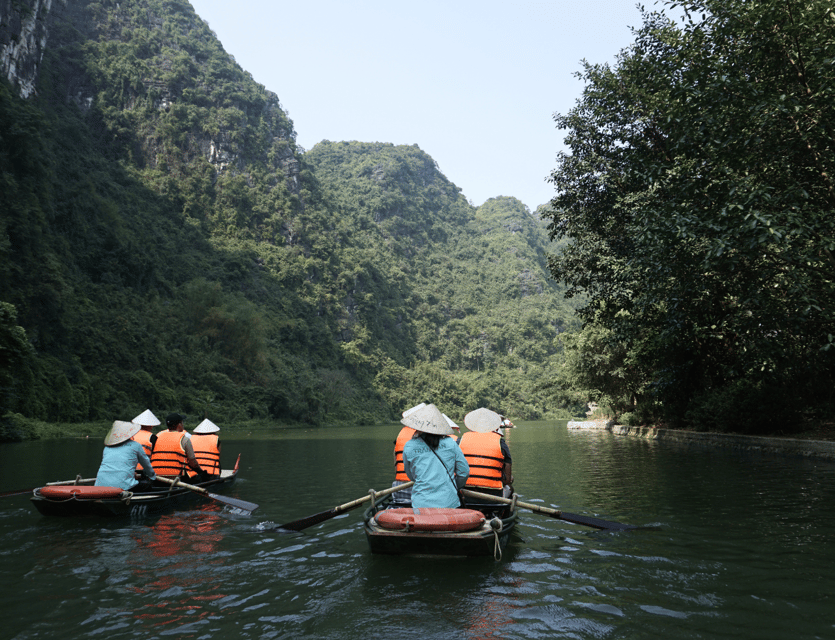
450, 422
429, 420
413, 409
483, 420
207, 426
146, 419
120, 432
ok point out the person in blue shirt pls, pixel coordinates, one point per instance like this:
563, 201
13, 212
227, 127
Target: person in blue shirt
120, 457
433, 460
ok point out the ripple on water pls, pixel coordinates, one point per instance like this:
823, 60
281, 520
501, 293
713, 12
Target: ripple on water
744, 549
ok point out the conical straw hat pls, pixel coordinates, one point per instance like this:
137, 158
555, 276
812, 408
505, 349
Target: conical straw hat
146, 419
483, 420
120, 432
450, 422
413, 409
428, 419
207, 426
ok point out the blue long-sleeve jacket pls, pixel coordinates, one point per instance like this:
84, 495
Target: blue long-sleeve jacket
118, 464
433, 478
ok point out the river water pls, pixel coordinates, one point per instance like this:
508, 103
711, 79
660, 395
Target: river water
733, 545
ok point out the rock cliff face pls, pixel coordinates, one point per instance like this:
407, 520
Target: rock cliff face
163, 68
23, 37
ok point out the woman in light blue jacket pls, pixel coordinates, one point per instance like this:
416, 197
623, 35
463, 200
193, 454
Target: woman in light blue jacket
433, 460
120, 457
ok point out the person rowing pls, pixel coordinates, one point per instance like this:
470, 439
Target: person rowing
487, 453
173, 454
146, 436
433, 460
206, 445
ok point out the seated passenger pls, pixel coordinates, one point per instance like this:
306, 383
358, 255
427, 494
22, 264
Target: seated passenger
206, 445
120, 457
457, 435
173, 454
406, 433
146, 437
487, 453
433, 461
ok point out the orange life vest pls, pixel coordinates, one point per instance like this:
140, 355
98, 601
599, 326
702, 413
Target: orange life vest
206, 452
403, 437
168, 458
483, 452
143, 438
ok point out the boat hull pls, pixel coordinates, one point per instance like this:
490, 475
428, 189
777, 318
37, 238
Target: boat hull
129, 504
488, 540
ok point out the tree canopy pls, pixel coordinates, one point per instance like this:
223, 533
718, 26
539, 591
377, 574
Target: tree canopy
697, 191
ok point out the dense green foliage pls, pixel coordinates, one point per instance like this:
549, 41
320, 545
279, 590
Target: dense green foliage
165, 244
698, 194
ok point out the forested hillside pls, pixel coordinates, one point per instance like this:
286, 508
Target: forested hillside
166, 244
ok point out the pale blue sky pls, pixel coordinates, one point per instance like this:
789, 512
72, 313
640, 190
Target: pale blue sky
474, 84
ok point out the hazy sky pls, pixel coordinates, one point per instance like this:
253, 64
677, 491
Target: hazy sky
474, 83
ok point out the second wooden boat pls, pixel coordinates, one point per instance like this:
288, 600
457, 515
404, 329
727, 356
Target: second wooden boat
81, 498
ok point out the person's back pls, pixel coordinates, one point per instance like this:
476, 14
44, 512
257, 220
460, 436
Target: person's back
168, 457
486, 452
433, 461
143, 437
484, 455
403, 437
120, 458
436, 472
206, 445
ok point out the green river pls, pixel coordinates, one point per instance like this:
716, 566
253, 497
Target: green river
733, 545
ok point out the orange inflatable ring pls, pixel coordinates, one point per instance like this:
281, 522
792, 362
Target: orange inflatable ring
428, 519
65, 492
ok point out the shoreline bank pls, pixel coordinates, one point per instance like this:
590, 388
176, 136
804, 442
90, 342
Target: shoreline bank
819, 449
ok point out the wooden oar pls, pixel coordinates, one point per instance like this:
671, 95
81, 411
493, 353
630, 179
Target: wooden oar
78, 480
554, 513
232, 502
309, 521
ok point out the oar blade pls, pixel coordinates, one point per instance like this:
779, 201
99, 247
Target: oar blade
309, 521
243, 505
17, 493
596, 523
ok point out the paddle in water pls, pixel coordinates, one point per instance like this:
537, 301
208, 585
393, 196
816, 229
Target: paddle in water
243, 505
316, 518
554, 513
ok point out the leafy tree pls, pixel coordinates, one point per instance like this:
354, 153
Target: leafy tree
698, 196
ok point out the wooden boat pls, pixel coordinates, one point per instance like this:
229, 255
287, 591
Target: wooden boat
488, 538
80, 498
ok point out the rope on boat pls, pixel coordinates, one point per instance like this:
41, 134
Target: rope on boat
496, 526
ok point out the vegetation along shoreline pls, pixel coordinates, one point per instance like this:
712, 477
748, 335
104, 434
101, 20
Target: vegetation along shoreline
794, 446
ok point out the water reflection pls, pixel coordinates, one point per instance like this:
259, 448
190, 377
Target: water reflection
175, 568
743, 547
